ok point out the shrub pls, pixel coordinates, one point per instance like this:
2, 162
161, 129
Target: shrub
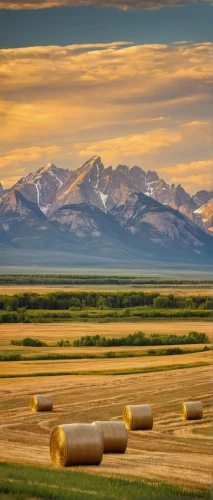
109, 354
28, 342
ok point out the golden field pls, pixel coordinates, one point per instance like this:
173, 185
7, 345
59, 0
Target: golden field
52, 332
179, 290
174, 451
87, 366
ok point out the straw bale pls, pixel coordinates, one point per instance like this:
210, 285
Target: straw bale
41, 403
76, 444
138, 417
114, 435
192, 410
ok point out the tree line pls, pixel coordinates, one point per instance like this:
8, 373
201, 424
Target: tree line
100, 300
140, 339
79, 279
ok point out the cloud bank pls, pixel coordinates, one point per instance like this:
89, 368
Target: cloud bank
149, 105
118, 4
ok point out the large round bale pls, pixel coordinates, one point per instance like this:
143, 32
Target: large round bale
138, 417
41, 403
114, 435
76, 444
192, 411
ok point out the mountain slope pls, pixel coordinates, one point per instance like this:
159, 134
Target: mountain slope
93, 231
23, 224
161, 230
204, 215
202, 197
77, 229
19, 216
141, 229
141, 226
1, 191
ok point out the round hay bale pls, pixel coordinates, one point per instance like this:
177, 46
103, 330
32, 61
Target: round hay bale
114, 435
41, 403
192, 410
138, 417
76, 444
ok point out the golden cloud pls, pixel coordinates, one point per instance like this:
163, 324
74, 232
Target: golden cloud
194, 183
194, 175
147, 103
13, 164
118, 4
205, 166
130, 145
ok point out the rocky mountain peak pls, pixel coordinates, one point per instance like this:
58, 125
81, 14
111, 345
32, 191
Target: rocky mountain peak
123, 169
204, 215
51, 188
152, 176
1, 190
42, 186
202, 197
181, 196
137, 171
50, 166
97, 211
95, 161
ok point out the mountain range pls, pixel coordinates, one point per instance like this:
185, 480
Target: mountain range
125, 213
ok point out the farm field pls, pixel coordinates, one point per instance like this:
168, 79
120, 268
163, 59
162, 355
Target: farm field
101, 366
52, 332
173, 446
177, 290
85, 390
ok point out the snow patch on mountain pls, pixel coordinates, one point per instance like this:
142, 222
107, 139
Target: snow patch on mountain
103, 196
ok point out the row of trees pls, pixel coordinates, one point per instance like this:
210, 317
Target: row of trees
51, 279
140, 339
101, 300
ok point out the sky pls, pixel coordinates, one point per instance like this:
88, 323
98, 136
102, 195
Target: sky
129, 80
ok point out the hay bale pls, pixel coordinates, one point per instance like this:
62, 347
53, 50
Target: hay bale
138, 417
41, 403
76, 444
114, 435
192, 410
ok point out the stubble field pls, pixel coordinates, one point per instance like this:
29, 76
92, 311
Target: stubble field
177, 290
174, 451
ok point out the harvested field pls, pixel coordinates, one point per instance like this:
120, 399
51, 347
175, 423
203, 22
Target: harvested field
90, 366
173, 446
178, 290
91, 393
52, 332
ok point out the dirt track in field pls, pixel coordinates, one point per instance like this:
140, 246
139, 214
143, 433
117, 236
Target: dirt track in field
174, 451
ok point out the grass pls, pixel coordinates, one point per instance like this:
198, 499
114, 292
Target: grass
175, 351
113, 315
177, 290
74, 485
130, 371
